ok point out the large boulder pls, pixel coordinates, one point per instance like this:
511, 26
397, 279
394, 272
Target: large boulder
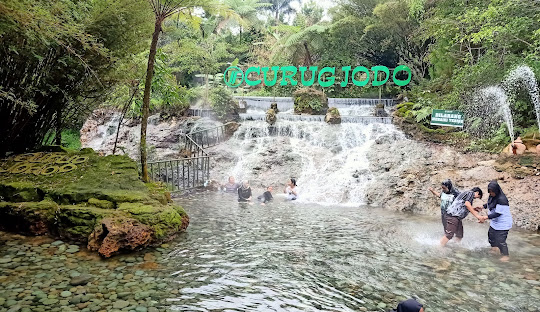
271, 116
333, 116
310, 101
86, 198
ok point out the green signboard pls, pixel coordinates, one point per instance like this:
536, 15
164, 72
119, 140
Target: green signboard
450, 118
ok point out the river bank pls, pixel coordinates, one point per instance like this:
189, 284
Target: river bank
410, 166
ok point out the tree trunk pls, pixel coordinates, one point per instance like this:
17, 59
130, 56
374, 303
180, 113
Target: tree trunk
58, 137
206, 103
146, 98
308, 55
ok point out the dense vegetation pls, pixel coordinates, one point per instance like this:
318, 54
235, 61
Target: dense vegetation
63, 58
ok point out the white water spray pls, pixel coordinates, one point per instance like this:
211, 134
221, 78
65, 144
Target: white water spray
524, 76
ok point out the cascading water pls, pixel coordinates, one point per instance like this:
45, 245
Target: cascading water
524, 76
329, 161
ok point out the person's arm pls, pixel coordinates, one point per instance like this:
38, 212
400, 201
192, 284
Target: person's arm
293, 190
472, 210
249, 194
434, 193
493, 215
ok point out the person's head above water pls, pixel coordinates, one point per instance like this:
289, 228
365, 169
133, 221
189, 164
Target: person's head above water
245, 183
292, 182
409, 305
269, 188
231, 179
477, 192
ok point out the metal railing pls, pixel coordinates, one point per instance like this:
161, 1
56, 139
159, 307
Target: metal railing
206, 137
201, 112
194, 170
181, 174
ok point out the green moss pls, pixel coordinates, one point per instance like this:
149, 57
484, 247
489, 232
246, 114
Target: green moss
20, 192
78, 221
136, 208
78, 200
105, 204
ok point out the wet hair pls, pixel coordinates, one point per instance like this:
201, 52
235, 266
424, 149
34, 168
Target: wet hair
293, 181
269, 186
477, 189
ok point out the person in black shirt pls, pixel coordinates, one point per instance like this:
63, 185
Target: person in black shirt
244, 193
266, 196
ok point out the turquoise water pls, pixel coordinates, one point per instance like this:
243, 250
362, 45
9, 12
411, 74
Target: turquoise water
280, 257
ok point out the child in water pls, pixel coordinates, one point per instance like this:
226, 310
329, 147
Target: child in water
447, 196
501, 219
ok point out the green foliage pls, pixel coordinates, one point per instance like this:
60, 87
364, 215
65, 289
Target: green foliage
309, 101
223, 103
59, 56
71, 139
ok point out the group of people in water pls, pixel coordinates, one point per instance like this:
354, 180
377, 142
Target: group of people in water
245, 195
455, 206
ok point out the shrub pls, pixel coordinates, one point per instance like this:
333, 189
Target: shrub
310, 101
223, 104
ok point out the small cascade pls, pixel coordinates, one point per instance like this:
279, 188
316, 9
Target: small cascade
317, 118
329, 162
287, 103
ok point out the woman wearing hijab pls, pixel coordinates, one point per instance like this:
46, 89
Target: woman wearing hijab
244, 192
447, 196
409, 305
501, 219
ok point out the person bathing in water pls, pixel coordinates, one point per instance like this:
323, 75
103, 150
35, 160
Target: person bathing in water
501, 219
447, 196
266, 196
292, 189
244, 193
231, 186
457, 211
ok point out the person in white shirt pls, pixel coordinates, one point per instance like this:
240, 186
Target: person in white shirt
292, 189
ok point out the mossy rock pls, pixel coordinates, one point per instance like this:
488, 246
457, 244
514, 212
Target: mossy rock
105, 204
73, 204
20, 192
34, 218
76, 222
164, 221
310, 101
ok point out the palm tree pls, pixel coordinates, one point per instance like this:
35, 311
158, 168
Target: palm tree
280, 7
298, 44
164, 9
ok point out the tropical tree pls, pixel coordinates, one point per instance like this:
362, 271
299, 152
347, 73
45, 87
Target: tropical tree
59, 58
279, 8
297, 44
247, 11
164, 9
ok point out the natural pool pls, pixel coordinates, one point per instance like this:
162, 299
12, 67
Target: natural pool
286, 256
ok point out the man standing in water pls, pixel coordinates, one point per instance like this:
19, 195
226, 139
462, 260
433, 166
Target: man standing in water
457, 211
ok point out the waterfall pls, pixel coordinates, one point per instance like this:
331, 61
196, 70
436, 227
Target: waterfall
329, 161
